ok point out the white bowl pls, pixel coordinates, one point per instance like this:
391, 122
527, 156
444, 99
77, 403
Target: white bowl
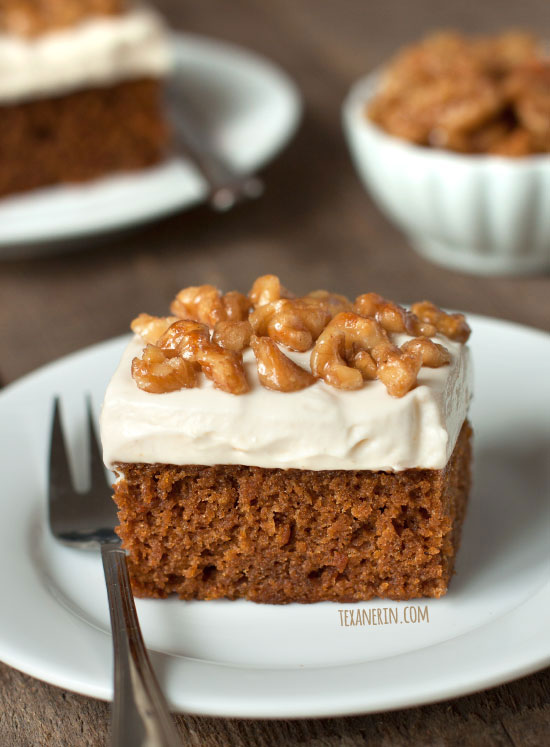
482, 214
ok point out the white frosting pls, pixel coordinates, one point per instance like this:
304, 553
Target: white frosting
99, 51
318, 428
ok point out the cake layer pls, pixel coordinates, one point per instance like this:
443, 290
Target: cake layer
81, 136
99, 51
317, 428
281, 536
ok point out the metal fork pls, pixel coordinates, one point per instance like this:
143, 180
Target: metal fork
226, 187
140, 714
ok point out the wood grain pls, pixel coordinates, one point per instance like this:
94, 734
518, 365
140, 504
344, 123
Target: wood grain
315, 227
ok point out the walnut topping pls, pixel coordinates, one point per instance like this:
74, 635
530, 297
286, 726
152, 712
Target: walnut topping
237, 306
351, 342
266, 289
150, 328
205, 303
334, 356
397, 370
296, 323
191, 341
276, 370
232, 335
154, 372
453, 326
353, 348
391, 316
431, 353
332, 301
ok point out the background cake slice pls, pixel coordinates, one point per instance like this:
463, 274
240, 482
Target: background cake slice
311, 483
80, 91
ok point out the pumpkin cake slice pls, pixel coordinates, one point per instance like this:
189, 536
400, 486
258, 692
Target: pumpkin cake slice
283, 449
80, 91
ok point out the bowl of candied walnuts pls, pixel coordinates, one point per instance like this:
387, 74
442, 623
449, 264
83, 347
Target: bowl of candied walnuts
452, 140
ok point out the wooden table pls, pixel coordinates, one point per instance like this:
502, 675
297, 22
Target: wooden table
314, 227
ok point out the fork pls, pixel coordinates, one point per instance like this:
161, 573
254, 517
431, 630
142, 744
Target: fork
140, 714
226, 187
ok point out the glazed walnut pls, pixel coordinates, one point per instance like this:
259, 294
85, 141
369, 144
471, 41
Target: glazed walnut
205, 303
232, 335
432, 354
453, 326
391, 316
351, 342
295, 323
266, 289
156, 373
150, 328
353, 348
276, 370
471, 95
397, 370
34, 17
347, 335
191, 341
333, 302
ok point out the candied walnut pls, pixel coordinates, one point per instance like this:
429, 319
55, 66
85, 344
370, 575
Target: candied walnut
391, 316
276, 370
353, 348
351, 342
334, 302
337, 348
453, 326
178, 333
515, 144
471, 106
35, 17
201, 303
232, 335
432, 354
532, 103
237, 306
363, 362
150, 328
506, 51
267, 288
295, 323
154, 372
205, 304
191, 341
468, 95
396, 369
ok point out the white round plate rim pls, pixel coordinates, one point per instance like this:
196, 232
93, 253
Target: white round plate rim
123, 200
513, 645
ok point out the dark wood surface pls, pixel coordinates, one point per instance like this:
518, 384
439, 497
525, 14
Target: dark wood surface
316, 228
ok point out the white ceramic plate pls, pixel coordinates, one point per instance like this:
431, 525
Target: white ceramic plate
241, 659
247, 105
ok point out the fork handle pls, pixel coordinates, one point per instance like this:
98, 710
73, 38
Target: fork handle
140, 714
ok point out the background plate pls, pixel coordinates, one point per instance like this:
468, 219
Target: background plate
247, 105
241, 659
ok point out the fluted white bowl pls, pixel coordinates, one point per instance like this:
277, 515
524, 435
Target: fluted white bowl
483, 214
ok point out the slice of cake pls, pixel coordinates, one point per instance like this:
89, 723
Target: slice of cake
285, 449
79, 91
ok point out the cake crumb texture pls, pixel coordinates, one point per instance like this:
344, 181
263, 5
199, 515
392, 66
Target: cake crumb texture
279, 536
81, 136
